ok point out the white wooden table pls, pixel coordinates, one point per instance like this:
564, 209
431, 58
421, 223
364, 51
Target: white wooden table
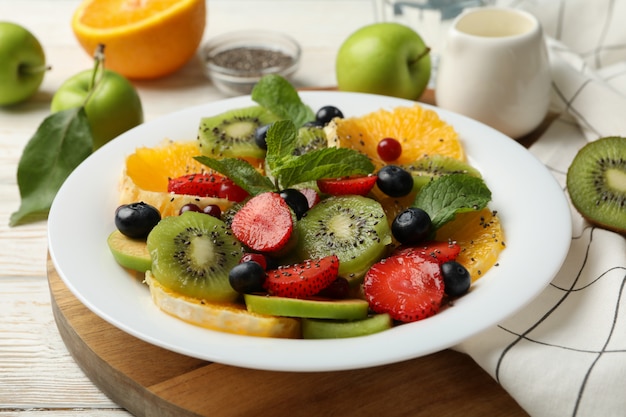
37, 375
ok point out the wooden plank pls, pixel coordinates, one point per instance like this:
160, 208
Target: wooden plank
150, 381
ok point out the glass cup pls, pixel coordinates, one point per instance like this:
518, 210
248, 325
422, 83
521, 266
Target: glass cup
431, 19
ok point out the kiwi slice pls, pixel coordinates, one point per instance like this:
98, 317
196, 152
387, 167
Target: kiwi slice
433, 166
192, 254
231, 134
596, 181
309, 139
335, 329
347, 309
354, 228
129, 253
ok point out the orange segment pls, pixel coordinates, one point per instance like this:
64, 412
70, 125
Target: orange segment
419, 130
147, 171
151, 168
143, 39
480, 235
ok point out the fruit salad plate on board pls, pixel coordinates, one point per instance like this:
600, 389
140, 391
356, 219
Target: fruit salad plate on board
531, 206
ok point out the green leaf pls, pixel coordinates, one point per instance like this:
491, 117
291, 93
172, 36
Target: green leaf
277, 95
62, 141
448, 195
240, 172
323, 163
281, 142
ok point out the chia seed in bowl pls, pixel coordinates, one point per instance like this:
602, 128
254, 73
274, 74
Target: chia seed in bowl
236, 61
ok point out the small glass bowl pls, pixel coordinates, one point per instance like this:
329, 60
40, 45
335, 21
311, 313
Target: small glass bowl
236, 61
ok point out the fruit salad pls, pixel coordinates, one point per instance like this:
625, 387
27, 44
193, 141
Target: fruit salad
281, 221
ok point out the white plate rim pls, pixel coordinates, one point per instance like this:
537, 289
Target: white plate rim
528, 204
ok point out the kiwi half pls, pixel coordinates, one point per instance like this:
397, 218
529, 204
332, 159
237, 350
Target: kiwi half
596, 181
231, 134
192, 254
354, 228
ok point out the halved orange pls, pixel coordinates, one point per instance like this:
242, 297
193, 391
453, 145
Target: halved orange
144, 39
480, 235
420, 131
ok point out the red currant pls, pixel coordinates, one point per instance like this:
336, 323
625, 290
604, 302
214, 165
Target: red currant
212, 210
389, 149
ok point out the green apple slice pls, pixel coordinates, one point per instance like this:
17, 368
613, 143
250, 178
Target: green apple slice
335, 329
349, 309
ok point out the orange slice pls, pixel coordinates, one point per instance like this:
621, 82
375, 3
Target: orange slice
480, 235
143, 39
146, 174
231, 318
419, 130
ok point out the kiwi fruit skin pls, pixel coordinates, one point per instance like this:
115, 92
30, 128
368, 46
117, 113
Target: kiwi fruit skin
231, 133
347, 309
192, 254
429, 167
354, 228
596, 182
336, 329
129, 253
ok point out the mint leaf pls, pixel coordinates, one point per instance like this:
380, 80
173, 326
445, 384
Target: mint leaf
62, 141
277, 95
240, 172
322, 163
448, 195
281, 141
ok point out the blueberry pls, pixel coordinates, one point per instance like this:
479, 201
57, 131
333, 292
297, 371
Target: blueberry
136, 220
296, 201
260, 136
456, 278
394, 181
411, 226
327, 113
247, 277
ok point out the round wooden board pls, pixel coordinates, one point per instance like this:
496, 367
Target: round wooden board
150, 381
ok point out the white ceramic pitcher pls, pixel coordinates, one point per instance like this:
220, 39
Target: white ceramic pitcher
495, 69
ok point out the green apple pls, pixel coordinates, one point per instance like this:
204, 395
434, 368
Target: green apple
111, 102
22, 64
384, 58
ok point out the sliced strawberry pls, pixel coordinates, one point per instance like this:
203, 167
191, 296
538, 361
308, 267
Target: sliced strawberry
207, 185
348, 185
264, 224
311, 196
304, 279
438, 251
408, 287
201, 184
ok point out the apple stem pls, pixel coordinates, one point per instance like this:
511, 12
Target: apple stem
423, 54
30, 70
98, 72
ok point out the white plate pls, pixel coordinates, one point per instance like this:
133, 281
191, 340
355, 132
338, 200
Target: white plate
531, 206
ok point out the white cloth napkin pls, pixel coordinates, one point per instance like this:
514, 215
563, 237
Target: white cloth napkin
565, 353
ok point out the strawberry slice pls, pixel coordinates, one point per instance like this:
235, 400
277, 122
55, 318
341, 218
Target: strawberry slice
206, 185
347, 185
303, 279
434, 250
408, 287
265, 223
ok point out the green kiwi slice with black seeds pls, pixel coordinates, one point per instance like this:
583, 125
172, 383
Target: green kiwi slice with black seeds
354, 228
192, 254
231, 134
596, 182
309, 139
433, 166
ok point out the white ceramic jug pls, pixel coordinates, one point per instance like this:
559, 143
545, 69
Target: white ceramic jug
495, 69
